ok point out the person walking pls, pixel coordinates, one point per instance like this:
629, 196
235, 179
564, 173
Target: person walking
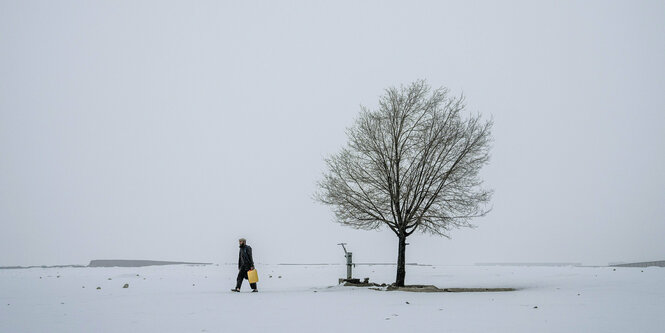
245, 264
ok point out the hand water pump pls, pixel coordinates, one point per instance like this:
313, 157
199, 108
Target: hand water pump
349, 261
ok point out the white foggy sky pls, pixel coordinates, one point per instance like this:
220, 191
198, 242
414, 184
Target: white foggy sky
165, 130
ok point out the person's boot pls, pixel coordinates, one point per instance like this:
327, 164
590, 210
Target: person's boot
255, 290
236, 290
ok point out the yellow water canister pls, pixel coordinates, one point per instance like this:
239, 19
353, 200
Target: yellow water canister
253, 276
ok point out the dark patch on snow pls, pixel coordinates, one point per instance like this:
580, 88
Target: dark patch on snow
434, 289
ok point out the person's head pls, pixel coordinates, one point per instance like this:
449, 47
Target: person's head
242, 241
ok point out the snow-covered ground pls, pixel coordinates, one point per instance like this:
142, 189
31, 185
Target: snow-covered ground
307, 299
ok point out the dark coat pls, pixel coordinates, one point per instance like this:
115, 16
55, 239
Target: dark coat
245, 260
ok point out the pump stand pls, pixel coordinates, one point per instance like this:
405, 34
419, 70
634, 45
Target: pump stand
349, 266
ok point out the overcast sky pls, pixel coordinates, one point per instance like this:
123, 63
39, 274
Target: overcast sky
165, 130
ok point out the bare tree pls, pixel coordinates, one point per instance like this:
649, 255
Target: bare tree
411, 165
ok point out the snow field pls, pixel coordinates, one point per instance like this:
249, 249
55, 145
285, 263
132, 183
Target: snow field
186, 298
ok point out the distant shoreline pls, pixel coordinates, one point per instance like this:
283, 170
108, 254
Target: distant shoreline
138, 263
144, 263
42, 266
113, 263
546, 264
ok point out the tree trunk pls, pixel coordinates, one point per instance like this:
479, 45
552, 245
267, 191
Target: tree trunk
401, 261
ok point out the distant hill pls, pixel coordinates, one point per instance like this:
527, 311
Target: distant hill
138, 263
